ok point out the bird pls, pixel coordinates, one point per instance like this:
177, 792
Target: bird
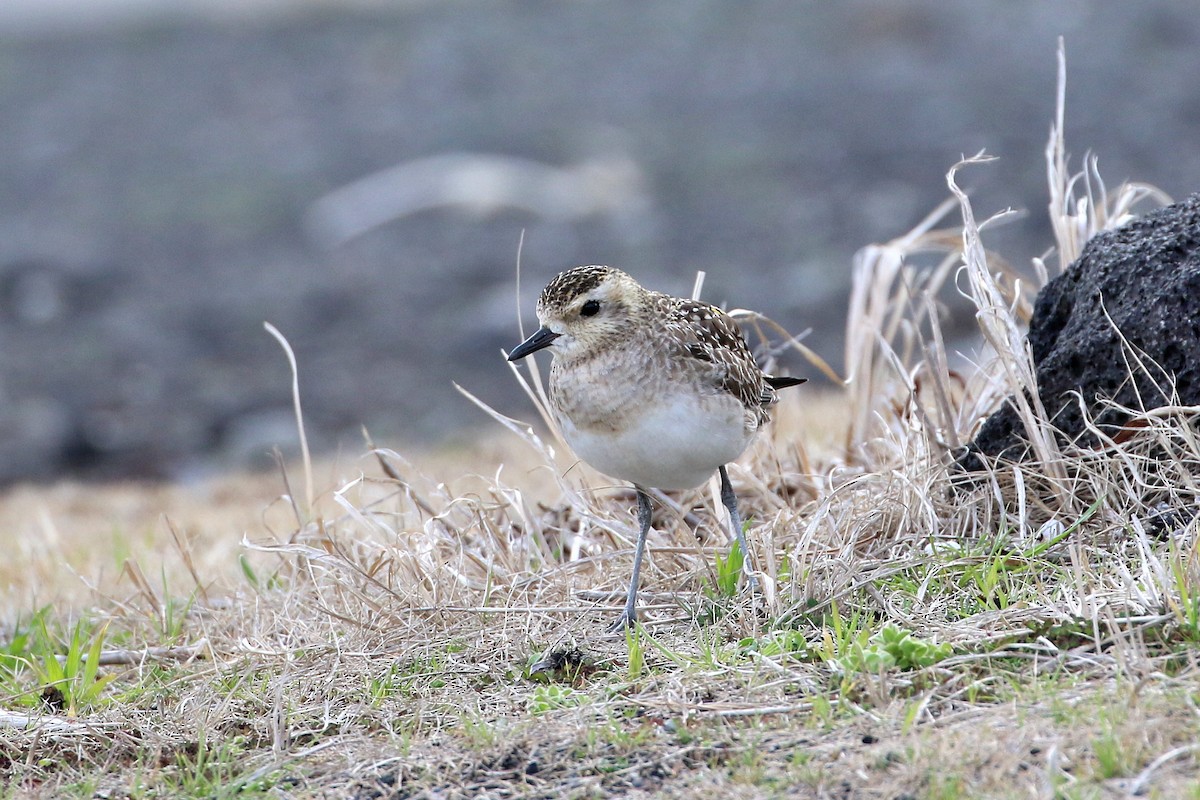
656, 390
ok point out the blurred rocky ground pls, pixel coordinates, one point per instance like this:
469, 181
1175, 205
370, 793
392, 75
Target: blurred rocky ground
174, 174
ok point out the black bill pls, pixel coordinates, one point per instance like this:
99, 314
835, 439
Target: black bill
542, 338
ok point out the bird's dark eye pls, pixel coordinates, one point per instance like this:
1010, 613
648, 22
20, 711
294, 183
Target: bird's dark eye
590, 309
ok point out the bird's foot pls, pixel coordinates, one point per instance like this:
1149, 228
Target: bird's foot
623, 623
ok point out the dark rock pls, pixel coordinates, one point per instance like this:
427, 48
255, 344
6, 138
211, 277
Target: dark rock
569, 664
1142, 280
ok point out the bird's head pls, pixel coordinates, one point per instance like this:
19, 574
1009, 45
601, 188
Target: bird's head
582, 309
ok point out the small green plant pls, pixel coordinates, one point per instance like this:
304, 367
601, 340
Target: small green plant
992, 578
257, 582
550, 697
77, 676
1185, 605
728, 575
248, 571
174, 616
617, 732
70, 681
390, 683
840, 633
789, 643
892, 647
637, 651
822, 710
729, 571
945, 787
14, 656
749, 768
714, 594
215, 770
476, 730
1111, 757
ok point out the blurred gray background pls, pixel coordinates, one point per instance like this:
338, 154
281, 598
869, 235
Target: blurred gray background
172, 174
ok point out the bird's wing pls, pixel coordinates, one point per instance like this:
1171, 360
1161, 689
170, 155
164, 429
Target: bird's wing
711, 339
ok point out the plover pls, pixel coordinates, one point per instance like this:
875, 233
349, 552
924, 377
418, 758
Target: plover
656, 390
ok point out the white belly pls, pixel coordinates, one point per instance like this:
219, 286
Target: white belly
676, 444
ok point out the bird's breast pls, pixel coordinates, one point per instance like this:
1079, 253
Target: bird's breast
650, 430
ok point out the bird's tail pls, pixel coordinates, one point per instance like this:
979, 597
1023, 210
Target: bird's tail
783, 382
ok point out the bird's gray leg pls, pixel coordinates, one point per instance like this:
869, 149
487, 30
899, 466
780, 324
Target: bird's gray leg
629, 615
729, 500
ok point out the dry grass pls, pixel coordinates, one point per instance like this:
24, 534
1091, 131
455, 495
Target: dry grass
1026, 633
